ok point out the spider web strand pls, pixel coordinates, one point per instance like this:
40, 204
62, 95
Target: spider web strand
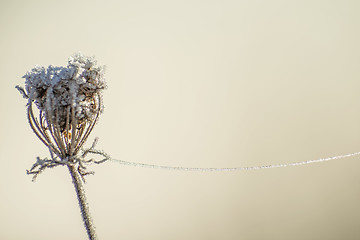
281, 165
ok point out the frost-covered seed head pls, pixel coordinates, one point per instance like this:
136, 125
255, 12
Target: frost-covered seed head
69, 100
76, 86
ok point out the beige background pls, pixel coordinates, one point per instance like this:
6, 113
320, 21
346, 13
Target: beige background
193, 84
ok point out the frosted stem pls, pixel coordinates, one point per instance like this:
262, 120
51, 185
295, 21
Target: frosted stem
83, 204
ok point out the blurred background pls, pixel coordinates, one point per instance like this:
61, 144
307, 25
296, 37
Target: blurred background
193, 84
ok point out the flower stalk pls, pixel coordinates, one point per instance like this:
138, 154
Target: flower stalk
83, 204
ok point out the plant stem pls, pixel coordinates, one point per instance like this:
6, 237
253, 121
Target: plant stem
83, 204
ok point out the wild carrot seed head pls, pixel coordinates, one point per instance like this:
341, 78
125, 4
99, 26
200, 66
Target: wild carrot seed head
54, 89
69, 101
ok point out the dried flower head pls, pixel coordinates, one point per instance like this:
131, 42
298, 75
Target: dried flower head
69, 102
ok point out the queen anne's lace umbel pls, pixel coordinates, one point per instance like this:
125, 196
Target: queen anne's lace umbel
68, 103
76, 86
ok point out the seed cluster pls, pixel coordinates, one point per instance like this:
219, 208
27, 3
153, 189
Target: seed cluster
68, 103
58, 91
